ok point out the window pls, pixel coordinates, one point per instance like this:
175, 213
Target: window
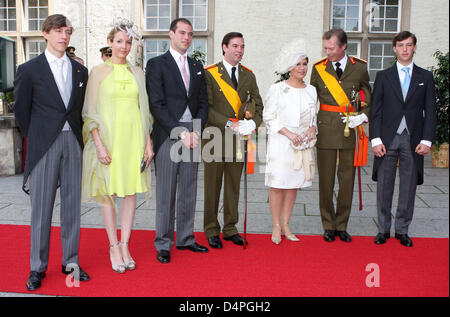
381, 56
385, 16
7, 15
158, 14
35, 13
155, 47
370, 26
354, 48
346, 14
195, 11
35, 48
21, 20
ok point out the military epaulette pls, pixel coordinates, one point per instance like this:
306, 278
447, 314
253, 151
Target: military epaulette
323, 59
210, 66
246, 68
354, 58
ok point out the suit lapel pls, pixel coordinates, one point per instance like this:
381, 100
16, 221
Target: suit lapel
416, 79
242, 83
225, 75
348, 69
395, 80
330, 69
75, 81
192, 74
48, 77
175, 70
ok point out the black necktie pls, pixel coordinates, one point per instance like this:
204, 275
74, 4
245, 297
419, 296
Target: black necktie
233, 77
338, 69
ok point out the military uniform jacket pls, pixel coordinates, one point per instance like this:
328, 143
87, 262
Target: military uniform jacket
220, 110
330, 125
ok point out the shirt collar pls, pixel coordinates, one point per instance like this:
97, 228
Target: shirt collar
228, 66
52, 58
400, 67
176, 55
343, 62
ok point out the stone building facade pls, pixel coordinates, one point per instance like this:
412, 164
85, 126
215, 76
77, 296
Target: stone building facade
266, 25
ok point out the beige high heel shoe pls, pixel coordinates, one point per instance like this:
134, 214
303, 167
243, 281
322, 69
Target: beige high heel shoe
289, 237
276, 238
131, 265
118, 268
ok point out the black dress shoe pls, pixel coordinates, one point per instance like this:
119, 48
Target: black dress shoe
34, 280
80, 274
163, 256
328, 235
236, 239
404, 240
381, 238
214, 242
344, 236
195, 247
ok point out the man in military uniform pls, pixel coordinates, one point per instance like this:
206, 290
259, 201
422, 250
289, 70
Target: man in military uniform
338, 78
106, 53
231, 88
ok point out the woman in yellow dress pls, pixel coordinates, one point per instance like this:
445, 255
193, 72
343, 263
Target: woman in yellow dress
118, 148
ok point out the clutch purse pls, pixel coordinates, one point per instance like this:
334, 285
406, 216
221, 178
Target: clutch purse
143, 163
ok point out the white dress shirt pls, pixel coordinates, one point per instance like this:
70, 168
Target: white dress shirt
401, 74
65, 87
229, 67
187, 116
343, 62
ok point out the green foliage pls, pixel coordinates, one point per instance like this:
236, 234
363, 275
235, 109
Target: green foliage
441, 80
198, 56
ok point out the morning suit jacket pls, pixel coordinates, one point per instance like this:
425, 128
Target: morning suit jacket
168, 98
330, 125
388, 108
40, 110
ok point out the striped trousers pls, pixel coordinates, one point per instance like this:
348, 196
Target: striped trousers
60, 166
176, 196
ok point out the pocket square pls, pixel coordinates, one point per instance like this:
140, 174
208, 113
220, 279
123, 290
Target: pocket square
421, 84
199, 73
81, 85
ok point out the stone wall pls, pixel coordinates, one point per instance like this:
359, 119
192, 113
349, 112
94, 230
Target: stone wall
430, 23
266, 26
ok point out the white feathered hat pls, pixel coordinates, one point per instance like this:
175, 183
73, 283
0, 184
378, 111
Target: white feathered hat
290, 54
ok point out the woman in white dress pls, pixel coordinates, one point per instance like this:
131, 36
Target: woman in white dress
290, 117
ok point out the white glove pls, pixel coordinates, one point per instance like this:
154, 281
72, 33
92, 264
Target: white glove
354, 121
246, 127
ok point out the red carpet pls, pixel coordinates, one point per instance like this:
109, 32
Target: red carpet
311, 267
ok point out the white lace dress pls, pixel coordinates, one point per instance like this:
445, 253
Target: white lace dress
296, 110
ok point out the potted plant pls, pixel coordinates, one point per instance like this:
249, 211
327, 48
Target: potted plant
439, 150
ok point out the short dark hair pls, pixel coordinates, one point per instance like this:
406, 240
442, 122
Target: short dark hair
227, 38
55, 21
339, 33
403, 36
106, 51
174, 24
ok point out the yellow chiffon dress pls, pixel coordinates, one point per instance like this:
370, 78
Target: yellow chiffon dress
128, 148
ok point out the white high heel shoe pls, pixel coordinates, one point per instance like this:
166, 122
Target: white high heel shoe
118, 268
276, 239
131, 265
290, 237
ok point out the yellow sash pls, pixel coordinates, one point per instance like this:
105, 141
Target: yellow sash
229, 92
333, 85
